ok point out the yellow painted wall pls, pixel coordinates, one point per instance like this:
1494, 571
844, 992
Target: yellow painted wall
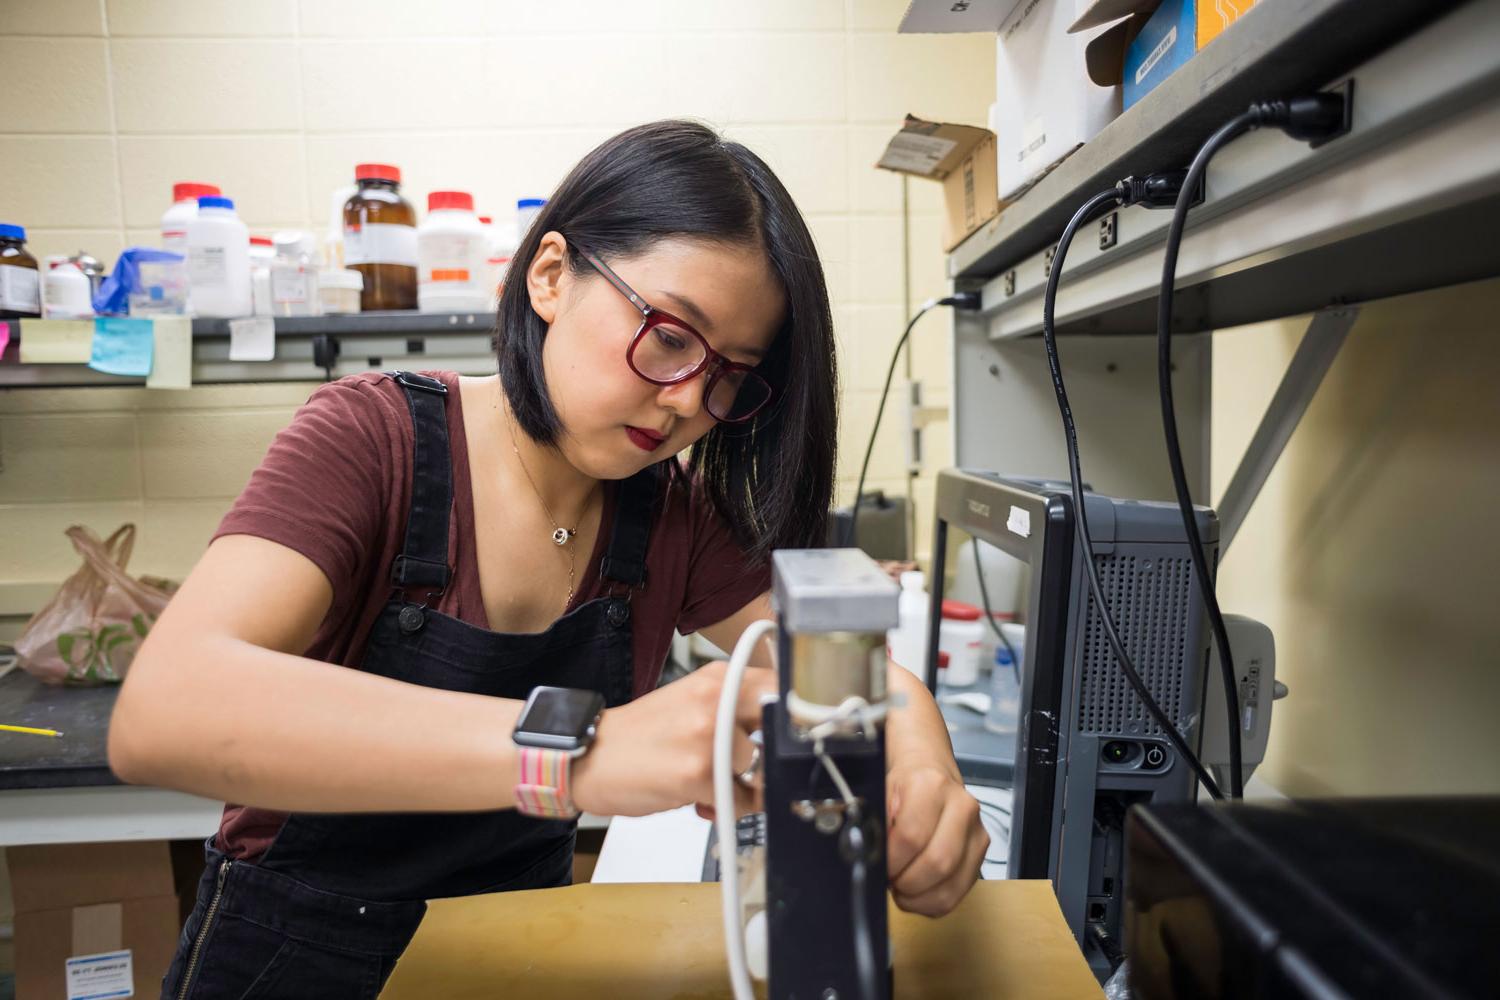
1374, 552
113, 100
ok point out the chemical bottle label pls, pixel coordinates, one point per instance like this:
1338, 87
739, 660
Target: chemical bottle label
451, 260
292, 285
380, 243
19, 291
207, 266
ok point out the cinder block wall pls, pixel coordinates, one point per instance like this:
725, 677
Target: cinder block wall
110, 101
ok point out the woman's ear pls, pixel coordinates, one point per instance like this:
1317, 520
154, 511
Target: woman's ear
545, 276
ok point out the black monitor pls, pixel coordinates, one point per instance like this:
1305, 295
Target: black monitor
1086, 749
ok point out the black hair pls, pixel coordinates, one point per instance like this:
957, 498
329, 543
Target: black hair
770, 478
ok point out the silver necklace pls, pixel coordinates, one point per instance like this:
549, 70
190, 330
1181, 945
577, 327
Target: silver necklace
560, 536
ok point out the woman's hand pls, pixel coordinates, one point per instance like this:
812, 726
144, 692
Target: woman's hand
656, 752
936, 842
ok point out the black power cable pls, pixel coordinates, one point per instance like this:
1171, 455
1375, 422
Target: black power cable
961, 300
1314, 117
864, 944
1104, 199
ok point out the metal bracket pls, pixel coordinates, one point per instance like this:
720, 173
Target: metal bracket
1314, 356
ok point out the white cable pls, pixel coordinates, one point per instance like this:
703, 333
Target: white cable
724, 811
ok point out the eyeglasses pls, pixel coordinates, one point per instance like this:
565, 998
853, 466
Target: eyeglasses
667, 351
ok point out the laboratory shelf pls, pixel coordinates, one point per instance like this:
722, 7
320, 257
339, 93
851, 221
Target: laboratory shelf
1408, 199
309, 349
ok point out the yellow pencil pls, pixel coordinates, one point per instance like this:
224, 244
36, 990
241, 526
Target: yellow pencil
29, 729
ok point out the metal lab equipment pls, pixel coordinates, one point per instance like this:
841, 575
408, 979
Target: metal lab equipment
825, 777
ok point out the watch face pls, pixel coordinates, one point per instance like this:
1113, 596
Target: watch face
559, 714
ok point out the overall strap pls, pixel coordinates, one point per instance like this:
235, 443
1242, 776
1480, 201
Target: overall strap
423, 562
635, 509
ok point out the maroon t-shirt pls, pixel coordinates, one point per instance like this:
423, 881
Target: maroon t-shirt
335, 486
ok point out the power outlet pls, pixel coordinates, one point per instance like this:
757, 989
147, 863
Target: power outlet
1109, 231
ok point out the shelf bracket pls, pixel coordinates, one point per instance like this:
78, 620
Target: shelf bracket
1314, 356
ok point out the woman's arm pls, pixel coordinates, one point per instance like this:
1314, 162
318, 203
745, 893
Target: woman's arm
936, 840
219, 703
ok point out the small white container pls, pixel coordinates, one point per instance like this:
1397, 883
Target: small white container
218, 260
261, 254
906, 644
66, 290
174, 221
1005, 682
527, 209
452, 256
338, 290
502, 237
961, 636
295, 286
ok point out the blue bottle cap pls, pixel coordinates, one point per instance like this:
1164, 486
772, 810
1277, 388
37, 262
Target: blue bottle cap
10, 232
531, 202
215, 201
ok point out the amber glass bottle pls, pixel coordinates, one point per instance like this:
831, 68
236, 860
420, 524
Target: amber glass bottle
20, 289
380, 239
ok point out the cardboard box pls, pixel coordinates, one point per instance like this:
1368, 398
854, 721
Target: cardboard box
1165, 43
1046, 105
1149, 39
962, 157
94, 915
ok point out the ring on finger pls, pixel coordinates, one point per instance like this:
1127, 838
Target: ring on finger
746, 778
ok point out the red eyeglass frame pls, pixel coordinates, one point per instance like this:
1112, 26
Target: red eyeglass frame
652, 317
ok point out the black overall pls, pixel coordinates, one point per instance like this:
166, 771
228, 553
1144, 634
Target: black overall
334, 901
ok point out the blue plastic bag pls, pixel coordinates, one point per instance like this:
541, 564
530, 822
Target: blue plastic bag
113, 296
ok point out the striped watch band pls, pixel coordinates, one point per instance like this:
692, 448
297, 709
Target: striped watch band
544, 788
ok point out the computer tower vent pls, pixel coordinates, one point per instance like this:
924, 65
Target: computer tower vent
1150, 598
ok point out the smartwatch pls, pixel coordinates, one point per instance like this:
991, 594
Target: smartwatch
555, 726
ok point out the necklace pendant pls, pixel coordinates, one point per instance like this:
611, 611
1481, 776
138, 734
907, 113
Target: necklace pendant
561, 536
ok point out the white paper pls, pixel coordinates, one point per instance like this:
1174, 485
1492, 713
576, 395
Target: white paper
172, 360
918, 154
1019, 522
56, 341
252, 339
96, 977
662, 847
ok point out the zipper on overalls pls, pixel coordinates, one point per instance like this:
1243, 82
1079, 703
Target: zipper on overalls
208, 922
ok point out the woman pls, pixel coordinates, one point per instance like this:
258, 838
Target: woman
462, 541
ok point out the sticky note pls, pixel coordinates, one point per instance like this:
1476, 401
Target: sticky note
122, 346
252, 339
172, 353
57, 341
4, 336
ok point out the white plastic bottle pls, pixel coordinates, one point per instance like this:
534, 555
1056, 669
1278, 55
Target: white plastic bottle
294, 275
452, 255
174, 221
907, 642
502, 237
527, 209
66, 290
261, 254
218, 260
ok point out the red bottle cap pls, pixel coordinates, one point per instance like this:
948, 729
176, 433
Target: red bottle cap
185, 190
960, 611
261, 241
450, 199
377, 172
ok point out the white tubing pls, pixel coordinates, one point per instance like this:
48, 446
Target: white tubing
724, 812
